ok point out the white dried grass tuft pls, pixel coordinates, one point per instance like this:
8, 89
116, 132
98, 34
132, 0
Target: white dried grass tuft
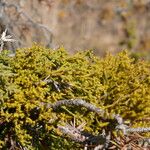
5, 38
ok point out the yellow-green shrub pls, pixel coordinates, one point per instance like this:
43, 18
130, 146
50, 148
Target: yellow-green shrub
36, 76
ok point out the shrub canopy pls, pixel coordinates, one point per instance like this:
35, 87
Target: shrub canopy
36, 77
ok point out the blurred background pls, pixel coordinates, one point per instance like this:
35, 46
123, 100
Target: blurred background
100, 25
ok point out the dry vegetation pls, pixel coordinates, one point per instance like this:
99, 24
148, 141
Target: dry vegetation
79, 24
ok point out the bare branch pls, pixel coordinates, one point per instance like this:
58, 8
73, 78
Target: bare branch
139, 130
76, 102
48, 33
7, 22
79, 136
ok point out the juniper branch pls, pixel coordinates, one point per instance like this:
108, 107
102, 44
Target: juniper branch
77, 135
93, 108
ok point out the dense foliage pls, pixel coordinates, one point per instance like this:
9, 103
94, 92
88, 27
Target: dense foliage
36, 77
